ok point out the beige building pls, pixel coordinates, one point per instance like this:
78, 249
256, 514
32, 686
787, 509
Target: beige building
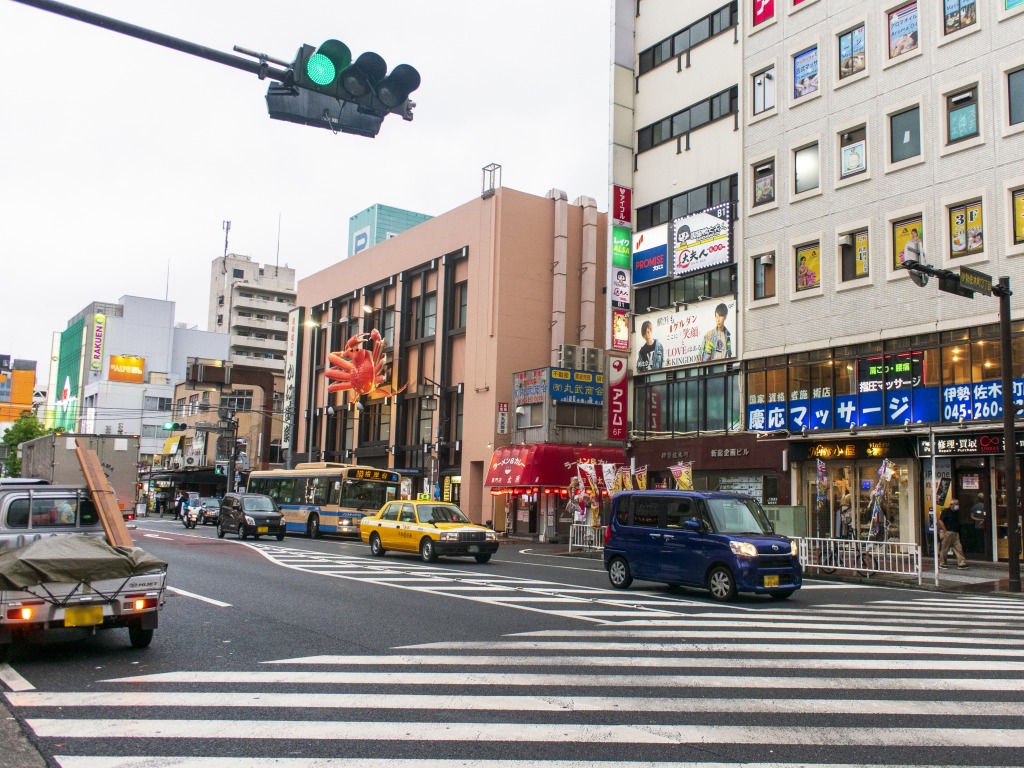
464, 304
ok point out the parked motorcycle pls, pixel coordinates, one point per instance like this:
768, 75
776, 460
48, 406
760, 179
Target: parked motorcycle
190, 516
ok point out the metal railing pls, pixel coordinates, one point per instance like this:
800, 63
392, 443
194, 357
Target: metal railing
585, 537
862, 558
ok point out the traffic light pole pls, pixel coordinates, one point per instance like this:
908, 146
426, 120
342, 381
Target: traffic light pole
1013, 528
260, 68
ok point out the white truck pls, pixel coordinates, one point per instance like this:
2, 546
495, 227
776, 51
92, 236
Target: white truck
57, 570
52, 458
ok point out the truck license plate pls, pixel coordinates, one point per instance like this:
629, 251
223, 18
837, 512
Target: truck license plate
771, 581
83, 615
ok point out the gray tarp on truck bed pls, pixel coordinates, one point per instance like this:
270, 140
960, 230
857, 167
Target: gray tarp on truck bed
71, 559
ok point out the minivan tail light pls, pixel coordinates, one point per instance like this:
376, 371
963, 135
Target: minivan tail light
607, 534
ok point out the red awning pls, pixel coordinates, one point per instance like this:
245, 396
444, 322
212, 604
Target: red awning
545, 465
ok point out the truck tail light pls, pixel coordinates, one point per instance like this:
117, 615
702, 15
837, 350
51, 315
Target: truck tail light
23, 612
140, 602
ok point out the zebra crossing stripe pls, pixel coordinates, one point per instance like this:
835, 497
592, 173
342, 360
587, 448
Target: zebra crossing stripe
593, 733
653, 662
340, 701
742, 623
507, 679
111, 761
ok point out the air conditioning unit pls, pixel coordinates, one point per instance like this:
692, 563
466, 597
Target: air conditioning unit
768, 259
191, 461
567, 356
592, 359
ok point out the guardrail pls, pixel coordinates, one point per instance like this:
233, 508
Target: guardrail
863, 558
586, 538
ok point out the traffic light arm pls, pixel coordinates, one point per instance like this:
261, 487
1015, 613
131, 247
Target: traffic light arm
259, 68
916, 266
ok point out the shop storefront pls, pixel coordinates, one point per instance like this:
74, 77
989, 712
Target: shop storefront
529, 485
970, 467
857, 474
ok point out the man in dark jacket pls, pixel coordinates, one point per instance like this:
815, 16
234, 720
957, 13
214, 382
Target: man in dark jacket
949, 529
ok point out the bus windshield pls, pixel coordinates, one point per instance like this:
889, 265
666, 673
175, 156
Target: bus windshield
365, 494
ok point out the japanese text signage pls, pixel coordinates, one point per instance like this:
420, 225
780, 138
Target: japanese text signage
578, 387
701, 240
985, 444
617, 399
650, 255
529, 387
764, 10
622, 204
374, 474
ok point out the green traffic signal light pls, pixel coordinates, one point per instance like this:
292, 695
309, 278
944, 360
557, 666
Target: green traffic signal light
330, 59
175, 426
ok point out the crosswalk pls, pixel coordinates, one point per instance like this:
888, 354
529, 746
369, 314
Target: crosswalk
930, 680
589, 604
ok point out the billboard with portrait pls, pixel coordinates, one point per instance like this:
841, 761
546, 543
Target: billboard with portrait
701, 333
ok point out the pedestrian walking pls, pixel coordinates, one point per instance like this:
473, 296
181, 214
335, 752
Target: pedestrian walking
949, 528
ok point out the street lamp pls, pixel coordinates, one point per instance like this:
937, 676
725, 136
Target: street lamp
315, 326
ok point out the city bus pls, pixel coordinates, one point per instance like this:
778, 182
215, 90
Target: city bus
324, 497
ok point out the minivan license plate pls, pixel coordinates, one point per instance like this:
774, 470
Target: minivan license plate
771, 581
83, 615
265, 529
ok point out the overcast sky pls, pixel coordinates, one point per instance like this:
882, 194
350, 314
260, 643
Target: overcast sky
120, 159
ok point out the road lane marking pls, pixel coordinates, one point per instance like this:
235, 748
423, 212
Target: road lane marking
110, 761
269, 700
476, 678
194, 596
542, 733
13, 680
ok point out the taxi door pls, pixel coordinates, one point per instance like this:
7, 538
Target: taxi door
407, 536
386, 525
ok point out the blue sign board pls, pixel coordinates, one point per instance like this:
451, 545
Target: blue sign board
579, 387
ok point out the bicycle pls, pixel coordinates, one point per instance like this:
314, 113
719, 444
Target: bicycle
847, 555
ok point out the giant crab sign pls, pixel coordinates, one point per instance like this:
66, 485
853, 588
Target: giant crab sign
360, 371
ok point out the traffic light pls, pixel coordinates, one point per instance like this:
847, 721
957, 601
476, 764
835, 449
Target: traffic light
313, 109
329, 70
175, 426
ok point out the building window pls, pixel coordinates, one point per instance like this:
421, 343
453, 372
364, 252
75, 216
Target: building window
808, 266
1015, 96
220, 319
903, 30
461, 300
764, 91
689, 37
764, 183
906, 134
725, 190
237, 274
907, 241
1018, 216
966, 231
572, 415
855, 255
806, 164
764, 10
853, 152
962, 115
851, 52
805, 73
695, 116
764, 276
960, 14
429, 324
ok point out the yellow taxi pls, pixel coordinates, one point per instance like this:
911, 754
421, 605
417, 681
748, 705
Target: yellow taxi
431, 528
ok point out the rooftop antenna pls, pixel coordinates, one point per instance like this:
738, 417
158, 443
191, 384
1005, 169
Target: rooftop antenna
277, 257
226, 226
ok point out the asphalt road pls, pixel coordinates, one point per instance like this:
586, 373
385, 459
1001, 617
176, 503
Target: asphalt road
314, 653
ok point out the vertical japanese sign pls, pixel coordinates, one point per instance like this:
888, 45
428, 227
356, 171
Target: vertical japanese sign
860, 249
622, 204
290, 395
617, 399
502, 418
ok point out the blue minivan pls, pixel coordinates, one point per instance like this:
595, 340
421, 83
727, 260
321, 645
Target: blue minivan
722, 542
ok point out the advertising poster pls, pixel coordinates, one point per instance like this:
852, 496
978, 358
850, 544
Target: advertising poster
529, 387
620, 330
671, 338
99, 328
903, 30
963, 122
966, 236
701, 240
861, 259
622, 240
854, 159
1018, 213
126, 368
851, 52
808, 267
907, 234
764, 187
650, 254
69, 377
960, 14
1011, 4
805, 73
578, 387
764, 10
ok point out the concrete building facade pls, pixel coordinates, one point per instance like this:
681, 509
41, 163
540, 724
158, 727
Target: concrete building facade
468, 305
